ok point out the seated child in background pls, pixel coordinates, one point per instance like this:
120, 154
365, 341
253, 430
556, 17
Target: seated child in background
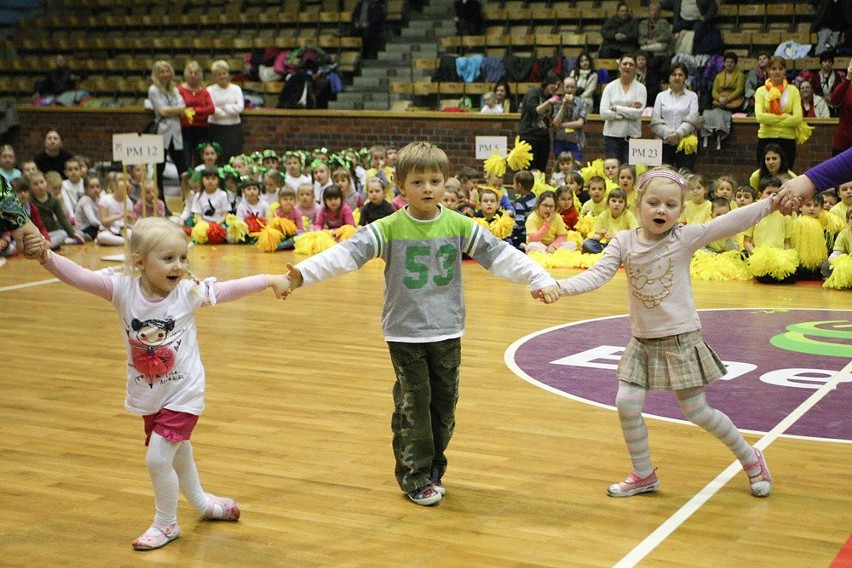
720, 206
575, 183
231, 186
610, 167
212, 203
469, 178
810, 239
503, 197
209, 154
490, 211
136, 175
616, 218
28, 168
565, 207
379, 168
21, 187
287, 208
271, 185
294, 176
269, 159
376, 206
745, 195
524, 205
72, 185
627, 183
307, 207
829, 199
774, 229
564, 167
190, 188
724, 187
243, 165
251, 205
52, 213
86, 213
7, 164
115, 210
322, 179
844, 192
67, 199
342, 178
842, 245
334, 213
696, 208
596, 204
399, 201
545, 230
490, 104
497, 183
454, 199
149, 205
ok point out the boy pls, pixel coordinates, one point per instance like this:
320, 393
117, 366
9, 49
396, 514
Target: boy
596, 203
844, 192
524, 206
745, 195
610, 168
73, 182
67, 198
829, 199
294, 177
423, 314
52, 215
843, 245
775, 229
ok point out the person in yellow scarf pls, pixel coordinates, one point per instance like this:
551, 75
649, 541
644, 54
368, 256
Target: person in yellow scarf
778, 110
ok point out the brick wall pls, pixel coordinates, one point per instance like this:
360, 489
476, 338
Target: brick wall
89, 131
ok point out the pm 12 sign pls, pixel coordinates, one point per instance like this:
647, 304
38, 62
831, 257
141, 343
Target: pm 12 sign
647, 152
138, 148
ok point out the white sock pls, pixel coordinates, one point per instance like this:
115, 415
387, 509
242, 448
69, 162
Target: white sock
630, 400
164, 479
694, 405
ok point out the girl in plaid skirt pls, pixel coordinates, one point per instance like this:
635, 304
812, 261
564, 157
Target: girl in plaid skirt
667, 351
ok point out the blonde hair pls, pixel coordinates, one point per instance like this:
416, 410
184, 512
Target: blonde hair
193, 65
220, 65
419, 157
660, 175
155, 70
53, 178
147, 233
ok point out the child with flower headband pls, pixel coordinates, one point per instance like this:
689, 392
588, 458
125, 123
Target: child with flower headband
271, 183
322, 179
209, 153
667, 351
269, 159
293, 175
212, 204
165, 378
244, 166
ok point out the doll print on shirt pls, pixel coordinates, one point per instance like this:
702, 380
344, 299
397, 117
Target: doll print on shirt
152, 351
653, 284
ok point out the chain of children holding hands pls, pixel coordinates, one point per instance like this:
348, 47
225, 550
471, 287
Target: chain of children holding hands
422, 245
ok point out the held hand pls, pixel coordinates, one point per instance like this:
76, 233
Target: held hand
548, 294
295, 277
672, 139
280, 284
793, 194
34, 246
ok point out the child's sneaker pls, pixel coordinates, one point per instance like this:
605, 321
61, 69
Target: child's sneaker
426, 495
761, 482
222, 509
634, 485
435, 478
156, 537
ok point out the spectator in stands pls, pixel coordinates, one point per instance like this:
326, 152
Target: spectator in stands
58, 80
655, 39
841, 98
168, 108
587, 79
675, 117
620, 33
824, 79
755, 78
53, 157
568, 122
832, 18
536, 113
503, 92
813, 106
468, 17
226, 126
199, 107
694, 15
622, 103
647, 76
368, 21
778, 110
728, 97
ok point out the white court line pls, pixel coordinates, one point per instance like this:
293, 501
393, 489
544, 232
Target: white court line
28, 285
672, 523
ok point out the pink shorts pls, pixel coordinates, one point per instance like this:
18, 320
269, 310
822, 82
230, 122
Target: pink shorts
171, 425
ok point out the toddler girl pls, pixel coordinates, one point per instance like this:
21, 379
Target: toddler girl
343, 179
376, 206
616, 218
307, 207
627, 183
334, 213
251, 205
156, 305
545, 230
566, 207
697, 208
724, 187
149, 205
86, 213
564, 166
322, 179
271, 185
294, 177
212, 203
209, 153
115, 211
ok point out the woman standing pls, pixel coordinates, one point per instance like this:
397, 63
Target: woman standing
199, 107
622, 103
225, 124
168, 107
536, 111
778, 110
674, 118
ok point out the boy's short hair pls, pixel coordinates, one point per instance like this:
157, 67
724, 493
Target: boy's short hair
451, 182
420, 156
467, 173
565, 157
71, 161
818, 199
746, 189
721, 202
53, 178
20, 184
769, 181
525, 179
488, 189
597, 179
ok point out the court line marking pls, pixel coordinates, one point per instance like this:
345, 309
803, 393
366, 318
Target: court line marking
28, 285
681, 515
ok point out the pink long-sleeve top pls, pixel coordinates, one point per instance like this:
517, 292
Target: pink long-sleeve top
328, 220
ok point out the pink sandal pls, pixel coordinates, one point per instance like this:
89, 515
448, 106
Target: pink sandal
222, 509
761, 483
156, 537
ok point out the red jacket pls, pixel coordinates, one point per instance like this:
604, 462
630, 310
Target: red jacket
201, 102
841, 97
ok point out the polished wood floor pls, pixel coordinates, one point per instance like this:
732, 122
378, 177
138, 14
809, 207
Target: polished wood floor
297, 430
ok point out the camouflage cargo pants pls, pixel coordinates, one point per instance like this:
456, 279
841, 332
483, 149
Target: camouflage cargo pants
424, 395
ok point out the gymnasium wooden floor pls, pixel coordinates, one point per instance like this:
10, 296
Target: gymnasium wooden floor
297, 430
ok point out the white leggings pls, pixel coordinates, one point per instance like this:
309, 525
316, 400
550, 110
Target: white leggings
172, 468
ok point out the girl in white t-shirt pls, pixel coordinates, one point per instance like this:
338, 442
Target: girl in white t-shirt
156, 305
116, 212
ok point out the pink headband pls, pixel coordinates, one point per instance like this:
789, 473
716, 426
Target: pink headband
667, 174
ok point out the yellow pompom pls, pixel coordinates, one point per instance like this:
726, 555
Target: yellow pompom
309, 244
199, 231
356, 216
564, 258
541, 185
803, 132
520, 156
270, 215
237, 229
808, 239
832, 224
688, 144
841, 273
307, 223
728, 265
343, 233
576, 238
593, 169
773, 262
284, 225
268, 239
495, 165
502, 226
586, 225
